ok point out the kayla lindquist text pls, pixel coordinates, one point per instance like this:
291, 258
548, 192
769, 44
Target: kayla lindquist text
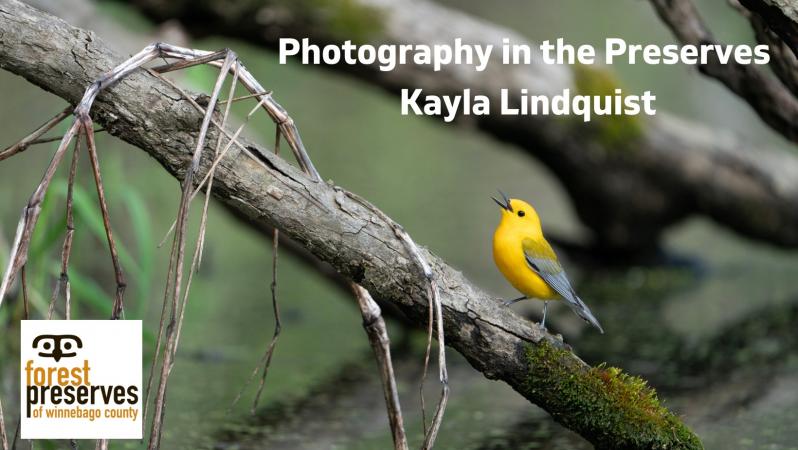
522, 103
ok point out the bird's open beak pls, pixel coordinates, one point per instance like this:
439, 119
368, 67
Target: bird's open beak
505, 205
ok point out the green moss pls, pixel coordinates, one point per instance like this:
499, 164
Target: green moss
338, 20
614, 131
603, 404
330, 20
348, 19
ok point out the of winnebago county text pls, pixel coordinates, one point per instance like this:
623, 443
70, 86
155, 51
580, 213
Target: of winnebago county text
521, 103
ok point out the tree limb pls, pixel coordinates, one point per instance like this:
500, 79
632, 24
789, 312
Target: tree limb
782, 58
629, 178
606, 407
781, 17
774, 103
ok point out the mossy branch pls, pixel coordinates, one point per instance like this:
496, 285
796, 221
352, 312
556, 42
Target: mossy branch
344, 231
624, 407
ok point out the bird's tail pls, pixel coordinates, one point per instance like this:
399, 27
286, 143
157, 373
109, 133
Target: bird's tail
581, 310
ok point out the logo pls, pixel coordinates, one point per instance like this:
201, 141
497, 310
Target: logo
81, 379
59, 343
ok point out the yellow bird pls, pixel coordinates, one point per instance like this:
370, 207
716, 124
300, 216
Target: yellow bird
529, 263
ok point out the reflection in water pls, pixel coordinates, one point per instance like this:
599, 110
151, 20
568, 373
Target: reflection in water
346, 410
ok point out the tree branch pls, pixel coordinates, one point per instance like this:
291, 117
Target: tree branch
774, 103
608, 408
782, 58
629, 178
781, 17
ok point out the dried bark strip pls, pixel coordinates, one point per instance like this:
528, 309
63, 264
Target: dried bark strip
62, 285
375, 327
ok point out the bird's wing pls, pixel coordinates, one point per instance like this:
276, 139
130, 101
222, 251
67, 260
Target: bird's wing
540, 257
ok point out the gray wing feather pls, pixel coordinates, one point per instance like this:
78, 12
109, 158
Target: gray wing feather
552, 273
554, 276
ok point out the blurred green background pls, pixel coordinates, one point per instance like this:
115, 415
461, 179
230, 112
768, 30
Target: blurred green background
712, 335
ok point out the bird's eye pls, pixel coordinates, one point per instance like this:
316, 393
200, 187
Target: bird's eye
521, 214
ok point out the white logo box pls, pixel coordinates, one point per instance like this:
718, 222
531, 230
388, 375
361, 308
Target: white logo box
111, 349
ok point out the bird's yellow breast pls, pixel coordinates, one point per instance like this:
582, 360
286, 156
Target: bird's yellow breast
508, 254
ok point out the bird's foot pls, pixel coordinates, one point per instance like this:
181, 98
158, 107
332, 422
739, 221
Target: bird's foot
507, 303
